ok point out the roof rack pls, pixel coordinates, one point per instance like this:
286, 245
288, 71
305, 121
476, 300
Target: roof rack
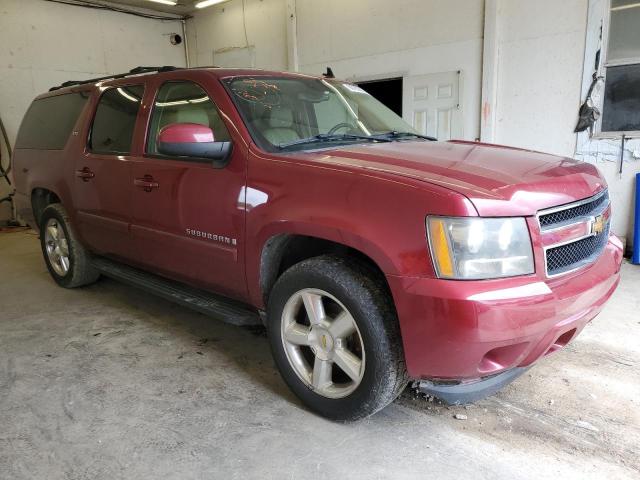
133, 71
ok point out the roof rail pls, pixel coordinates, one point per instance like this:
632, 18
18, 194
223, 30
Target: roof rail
133, 71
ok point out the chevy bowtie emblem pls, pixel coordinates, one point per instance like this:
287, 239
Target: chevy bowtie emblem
597, 226
324, 341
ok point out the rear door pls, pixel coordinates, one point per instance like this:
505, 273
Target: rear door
102, 188
190, 223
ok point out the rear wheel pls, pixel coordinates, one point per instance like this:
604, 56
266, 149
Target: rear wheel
67, 260
335, 338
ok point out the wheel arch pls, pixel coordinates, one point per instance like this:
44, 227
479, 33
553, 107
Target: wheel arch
282, 250
41, 198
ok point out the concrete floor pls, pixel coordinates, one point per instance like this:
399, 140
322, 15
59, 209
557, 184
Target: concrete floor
107, 382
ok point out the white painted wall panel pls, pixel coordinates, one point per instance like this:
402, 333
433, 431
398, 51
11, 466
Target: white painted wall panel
542, 18
336, 30
538, 92
220, 28
540, 58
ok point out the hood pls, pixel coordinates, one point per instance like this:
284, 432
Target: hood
499, 181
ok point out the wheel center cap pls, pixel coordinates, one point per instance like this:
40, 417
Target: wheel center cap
322, 342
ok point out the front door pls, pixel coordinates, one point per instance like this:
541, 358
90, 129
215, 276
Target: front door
431, 104
102, 185
187, 215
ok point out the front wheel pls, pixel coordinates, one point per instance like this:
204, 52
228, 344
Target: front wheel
335, 338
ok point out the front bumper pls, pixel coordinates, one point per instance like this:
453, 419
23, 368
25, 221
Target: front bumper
468, 330
468, 392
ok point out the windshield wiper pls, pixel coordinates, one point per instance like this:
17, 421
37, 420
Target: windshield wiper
394, 135
325, 137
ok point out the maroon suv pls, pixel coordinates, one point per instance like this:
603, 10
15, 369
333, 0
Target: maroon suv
374, 254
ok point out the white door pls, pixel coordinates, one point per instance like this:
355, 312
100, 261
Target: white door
431, 104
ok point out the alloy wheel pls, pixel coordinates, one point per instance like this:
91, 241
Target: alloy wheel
57, 247
322, 342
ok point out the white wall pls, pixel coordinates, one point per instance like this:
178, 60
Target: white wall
217, 36
537, 73
44, 44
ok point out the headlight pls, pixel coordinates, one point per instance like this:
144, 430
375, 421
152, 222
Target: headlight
471, 248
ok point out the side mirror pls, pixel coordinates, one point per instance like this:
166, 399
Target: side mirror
192, 140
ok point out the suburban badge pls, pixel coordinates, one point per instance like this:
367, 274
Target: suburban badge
212, 236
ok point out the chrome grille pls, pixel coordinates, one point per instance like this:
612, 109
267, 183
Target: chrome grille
563, 216
576, 254
571, 255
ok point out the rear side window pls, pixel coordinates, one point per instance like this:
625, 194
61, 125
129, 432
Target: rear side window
49, 121
115, 120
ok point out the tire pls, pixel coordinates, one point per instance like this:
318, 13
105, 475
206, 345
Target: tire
341, 283
78, 271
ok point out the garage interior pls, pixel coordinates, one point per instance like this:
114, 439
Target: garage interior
110, 382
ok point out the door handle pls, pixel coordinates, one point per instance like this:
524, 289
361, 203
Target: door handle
85, 174
146, 183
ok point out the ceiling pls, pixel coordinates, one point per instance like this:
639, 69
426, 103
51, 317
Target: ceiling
182, 8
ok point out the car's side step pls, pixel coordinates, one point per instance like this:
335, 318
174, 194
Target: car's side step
217, 306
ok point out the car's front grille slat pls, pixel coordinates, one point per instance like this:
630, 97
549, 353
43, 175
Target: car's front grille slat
574, 255
564, 216
570, 256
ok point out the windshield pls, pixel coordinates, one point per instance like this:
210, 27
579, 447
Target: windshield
304, 113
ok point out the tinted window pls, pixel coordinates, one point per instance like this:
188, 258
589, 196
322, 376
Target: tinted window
184, 102
621, 99
115, 120
49, 121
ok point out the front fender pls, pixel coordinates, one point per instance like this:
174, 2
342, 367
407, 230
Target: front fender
381, 217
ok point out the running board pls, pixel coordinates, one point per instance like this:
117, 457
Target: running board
230, 311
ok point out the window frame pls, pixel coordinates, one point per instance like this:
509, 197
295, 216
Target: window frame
602, 72
152, 109
89, 144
